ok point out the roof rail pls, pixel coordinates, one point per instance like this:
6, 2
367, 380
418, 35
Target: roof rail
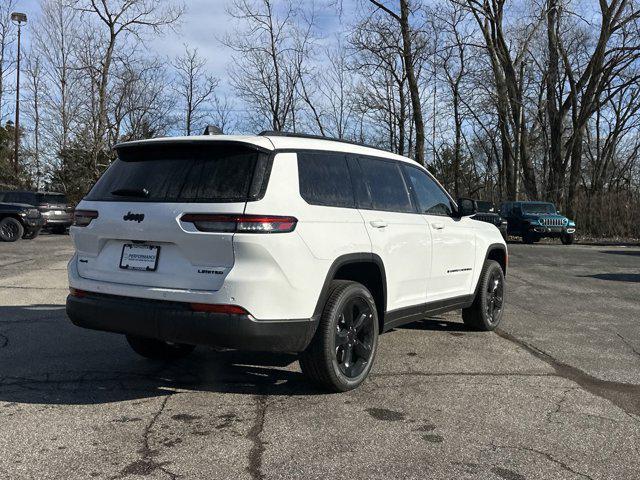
273, 133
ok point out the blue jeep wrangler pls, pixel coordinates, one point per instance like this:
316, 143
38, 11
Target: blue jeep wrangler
535, 220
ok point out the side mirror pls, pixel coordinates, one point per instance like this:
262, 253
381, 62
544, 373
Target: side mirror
466, 207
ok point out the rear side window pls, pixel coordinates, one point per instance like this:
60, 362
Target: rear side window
432, 200
20, 197
386, 185
183, 172
324, 179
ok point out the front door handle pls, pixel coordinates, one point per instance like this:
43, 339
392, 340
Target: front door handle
438, 226
378, 223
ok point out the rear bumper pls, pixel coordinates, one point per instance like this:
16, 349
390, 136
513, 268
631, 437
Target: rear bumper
58, 222
175, 322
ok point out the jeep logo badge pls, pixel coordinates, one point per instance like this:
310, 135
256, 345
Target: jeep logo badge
133, 217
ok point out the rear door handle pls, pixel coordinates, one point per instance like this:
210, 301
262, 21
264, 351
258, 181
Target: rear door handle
378, 223
438, 226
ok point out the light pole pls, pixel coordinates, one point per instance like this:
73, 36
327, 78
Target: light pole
18, 19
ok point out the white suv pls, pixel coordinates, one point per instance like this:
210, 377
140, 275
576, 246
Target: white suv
276, 242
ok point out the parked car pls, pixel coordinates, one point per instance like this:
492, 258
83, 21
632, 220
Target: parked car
55, 208
535, 220
276, 242
19, 221
487, 212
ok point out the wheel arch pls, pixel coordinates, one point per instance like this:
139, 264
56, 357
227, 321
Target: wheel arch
498, 252
11, 215
366, 268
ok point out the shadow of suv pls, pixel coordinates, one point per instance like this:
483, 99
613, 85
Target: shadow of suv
535, 220
54, 207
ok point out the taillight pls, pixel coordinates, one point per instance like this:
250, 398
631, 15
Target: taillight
211, 308
74, 292
82, 218
240, 223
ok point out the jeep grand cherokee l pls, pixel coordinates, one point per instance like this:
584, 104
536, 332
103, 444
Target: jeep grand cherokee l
276, 243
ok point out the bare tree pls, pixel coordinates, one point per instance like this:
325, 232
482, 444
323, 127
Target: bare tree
408, 53
382, 95
120, 19
142, 105
272, 43
194, 87
223, 114
589, 74
452, 56
6, 39
508, 69
54, 40
35, 86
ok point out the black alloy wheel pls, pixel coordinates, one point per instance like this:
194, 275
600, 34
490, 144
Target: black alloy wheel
354, 337
487, 308
494, 297
344, 346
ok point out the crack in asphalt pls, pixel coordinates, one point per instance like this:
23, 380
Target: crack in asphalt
628, 344
147, 463
257, 449
625, 396
549, 457
4, 340
559, 404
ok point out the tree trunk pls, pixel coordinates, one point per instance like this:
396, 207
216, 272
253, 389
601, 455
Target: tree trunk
556, 167
414, 89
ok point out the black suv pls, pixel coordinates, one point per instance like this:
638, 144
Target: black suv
535, 220
19, 221
57, 213
487, 212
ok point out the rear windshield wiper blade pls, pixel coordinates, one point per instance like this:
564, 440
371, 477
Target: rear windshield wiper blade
131, 192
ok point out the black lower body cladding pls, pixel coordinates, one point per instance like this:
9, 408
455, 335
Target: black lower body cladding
176, 322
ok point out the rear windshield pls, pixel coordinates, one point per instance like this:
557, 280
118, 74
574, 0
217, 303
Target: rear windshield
538, 208
52, 198
180, 172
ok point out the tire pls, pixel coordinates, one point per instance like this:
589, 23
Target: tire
486, 311
528, 238
343, 349
31, 235
59, 230
157, 349
10, 229
567, 238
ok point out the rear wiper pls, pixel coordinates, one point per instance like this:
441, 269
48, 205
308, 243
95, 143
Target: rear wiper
131, 192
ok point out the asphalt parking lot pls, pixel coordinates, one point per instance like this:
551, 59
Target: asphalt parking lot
554, 394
